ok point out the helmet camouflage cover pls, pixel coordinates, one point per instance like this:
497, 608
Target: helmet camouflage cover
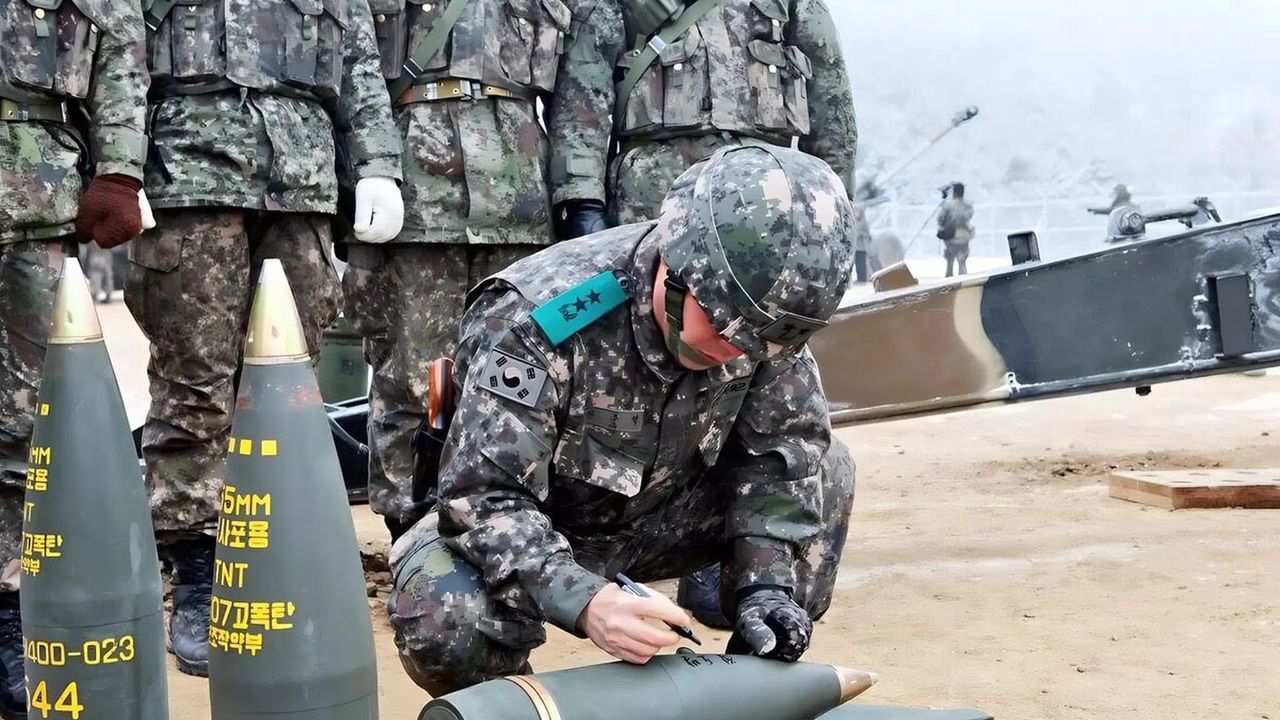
763, 238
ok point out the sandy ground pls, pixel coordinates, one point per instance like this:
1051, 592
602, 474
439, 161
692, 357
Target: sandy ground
987, 566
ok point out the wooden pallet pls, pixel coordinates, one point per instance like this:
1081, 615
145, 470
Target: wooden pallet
1178, 489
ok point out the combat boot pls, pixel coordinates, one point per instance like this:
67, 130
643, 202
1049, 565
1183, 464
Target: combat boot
13, 688
699, 593
192, 562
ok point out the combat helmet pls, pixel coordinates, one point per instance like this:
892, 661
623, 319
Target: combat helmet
763, 238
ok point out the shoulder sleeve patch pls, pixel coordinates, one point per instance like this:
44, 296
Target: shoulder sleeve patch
576, 309
513, 378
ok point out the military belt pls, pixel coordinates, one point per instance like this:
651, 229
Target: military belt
456, 89
14, 111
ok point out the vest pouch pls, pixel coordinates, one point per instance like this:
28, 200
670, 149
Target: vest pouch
30, 55
519, 36
686, 86
422, 16
644, 106
767, 80
333, 26
796, 85
78, 37
390, 25
770, 19
188, 45
549, 44
301, 37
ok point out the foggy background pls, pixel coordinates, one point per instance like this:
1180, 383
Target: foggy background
1176, 98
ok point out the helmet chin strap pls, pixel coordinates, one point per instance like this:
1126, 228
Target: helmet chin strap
674, 310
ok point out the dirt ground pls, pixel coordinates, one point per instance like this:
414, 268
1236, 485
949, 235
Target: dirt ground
987, 567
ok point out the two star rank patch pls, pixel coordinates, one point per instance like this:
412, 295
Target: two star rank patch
513, 378
570, 312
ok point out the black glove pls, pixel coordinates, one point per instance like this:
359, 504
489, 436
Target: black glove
771, 624
575, 218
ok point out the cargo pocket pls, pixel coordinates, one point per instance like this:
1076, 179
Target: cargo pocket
422, 17
391, 28
333, 25
152, 282
517, 450
796, 86
188, 45
30, 55
549, 44
78, 39
584, 456
518, 38
766, 77
685, 82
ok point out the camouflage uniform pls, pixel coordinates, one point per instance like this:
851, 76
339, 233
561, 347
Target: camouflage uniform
247, 99
476, 200
955, 218
83, 52
602, 454
750, 71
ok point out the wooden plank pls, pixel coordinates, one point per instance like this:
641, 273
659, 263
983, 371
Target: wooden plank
1210, 488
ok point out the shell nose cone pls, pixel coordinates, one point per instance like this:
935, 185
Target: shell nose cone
275, 333
853, 682
75, 319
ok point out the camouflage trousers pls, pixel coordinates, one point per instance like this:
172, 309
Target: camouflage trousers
406, 300
452, 632
29, 272
641, 176
190, 287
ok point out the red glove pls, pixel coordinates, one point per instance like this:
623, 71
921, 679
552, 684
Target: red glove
109, 212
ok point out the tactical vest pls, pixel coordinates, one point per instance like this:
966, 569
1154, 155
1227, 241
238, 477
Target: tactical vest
607, 438
47, 49
511, 44
276, 46
757, 85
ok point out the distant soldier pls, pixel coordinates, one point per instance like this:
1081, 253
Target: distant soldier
246, 97
99, 266
955, 228
673, 81
1120, 197
466, 94
59, 63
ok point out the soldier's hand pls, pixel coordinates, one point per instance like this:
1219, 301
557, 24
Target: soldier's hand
576, 218
620, 624
772, 624
379, 210
110, 214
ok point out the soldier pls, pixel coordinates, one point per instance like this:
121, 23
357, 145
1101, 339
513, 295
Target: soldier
466, 86
955, 228
674, 80
641, 401
1120, 197
247, 98
58, 63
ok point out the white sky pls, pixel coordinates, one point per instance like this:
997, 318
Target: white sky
1171, 96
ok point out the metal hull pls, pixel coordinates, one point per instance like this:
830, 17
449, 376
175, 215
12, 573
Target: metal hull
1184, 306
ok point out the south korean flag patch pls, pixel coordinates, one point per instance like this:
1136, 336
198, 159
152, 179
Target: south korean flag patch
513, 379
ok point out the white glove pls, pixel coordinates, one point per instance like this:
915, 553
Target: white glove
148, 217
379, 210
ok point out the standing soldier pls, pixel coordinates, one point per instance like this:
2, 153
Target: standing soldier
674, 80
465, 79
955, 228
71, 74
247, 98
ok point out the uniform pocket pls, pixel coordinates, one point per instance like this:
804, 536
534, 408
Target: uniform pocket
392, 30
644, 104
685, 82
549, 43
332, 26
766, 73
422, 17
585, 457
772, 17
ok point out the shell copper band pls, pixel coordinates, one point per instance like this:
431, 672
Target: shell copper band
538, 695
